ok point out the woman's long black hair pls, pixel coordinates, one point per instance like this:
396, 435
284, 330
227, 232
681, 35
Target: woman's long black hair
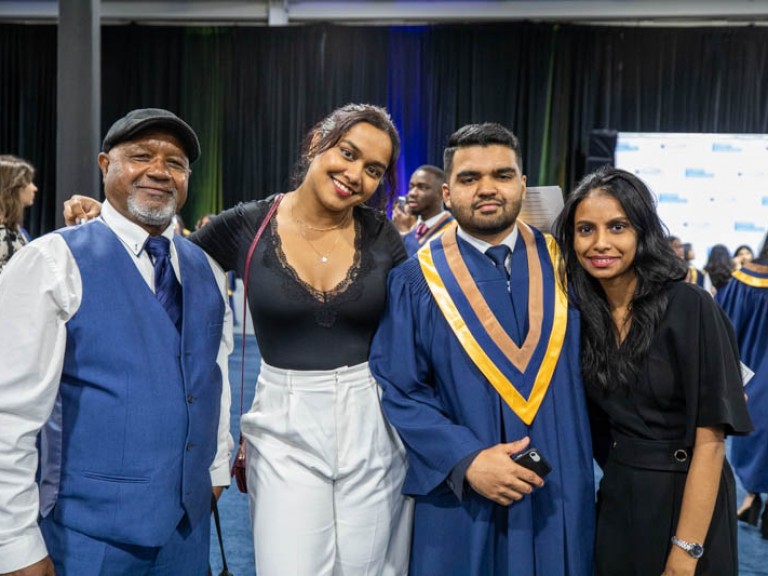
604, 364
719, 265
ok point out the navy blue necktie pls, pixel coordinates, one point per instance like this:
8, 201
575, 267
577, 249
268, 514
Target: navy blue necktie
499, 256
167, 287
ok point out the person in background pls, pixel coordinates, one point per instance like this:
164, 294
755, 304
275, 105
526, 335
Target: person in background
719, 267
742, 255
694, 276
17, 192
677, 246
203, 220
477, 355
120, 351
231, 277
179, 227
661, 368
425, 200
685, 252
325, 469
745, 300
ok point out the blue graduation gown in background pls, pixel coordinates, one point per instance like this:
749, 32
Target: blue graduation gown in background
445, 409
747, 307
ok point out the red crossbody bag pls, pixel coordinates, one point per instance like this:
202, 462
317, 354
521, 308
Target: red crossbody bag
239, 465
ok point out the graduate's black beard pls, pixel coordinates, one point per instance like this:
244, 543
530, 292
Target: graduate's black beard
487, 226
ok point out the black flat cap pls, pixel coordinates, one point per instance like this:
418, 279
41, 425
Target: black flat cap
145, 118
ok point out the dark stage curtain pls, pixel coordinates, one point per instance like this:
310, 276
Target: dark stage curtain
28, 111
252, 92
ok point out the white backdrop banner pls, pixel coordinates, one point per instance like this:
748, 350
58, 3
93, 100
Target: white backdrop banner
711, 188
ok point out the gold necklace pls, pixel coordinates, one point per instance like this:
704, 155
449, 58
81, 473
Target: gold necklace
302, 225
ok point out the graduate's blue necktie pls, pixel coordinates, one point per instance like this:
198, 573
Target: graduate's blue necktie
167, 287
499, 256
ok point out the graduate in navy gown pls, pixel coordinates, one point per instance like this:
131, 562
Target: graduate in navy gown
476, 366
425, 200
745, 300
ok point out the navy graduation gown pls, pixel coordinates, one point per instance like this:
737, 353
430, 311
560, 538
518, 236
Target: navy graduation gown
445, 409
745, 301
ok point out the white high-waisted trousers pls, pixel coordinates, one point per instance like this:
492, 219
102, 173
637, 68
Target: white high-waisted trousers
325, 472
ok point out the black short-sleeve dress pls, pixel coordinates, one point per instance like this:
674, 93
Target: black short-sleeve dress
691, 378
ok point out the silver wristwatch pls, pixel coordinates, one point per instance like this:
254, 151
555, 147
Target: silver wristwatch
694, 549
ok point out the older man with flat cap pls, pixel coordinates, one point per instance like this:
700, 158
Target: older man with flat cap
115, 336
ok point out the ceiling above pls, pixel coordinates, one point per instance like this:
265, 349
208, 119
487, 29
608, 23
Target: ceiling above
288, 12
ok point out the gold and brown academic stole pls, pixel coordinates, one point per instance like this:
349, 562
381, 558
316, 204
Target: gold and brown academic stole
480, 333
437, 228
751, 274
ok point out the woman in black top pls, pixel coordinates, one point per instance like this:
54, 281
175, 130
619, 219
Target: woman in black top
661, 367
325, 469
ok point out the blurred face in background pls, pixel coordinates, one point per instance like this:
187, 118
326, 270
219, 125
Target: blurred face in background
677, 246
742, 256
27, 195
425, 194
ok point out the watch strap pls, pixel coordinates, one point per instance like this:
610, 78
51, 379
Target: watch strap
693, 549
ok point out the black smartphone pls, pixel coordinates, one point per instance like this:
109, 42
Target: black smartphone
533, 460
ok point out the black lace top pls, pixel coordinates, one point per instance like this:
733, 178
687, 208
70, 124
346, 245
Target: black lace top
296, 326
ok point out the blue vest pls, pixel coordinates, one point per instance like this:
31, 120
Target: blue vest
140, 402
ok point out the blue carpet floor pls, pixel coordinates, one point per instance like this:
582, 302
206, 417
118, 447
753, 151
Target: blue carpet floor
233, 506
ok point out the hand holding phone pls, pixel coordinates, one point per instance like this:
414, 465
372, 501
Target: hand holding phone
534, 461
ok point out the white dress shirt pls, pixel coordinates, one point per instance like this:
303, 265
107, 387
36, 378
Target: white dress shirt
40, 290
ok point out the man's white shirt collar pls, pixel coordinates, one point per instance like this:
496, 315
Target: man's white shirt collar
481, 245
131, 234
429, 222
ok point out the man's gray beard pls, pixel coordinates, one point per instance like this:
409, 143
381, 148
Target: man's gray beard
151, 216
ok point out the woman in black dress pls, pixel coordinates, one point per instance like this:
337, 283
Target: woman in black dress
661, 367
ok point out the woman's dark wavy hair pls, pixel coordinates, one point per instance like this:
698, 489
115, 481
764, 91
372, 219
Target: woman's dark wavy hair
604, 365
331, 129
719, 266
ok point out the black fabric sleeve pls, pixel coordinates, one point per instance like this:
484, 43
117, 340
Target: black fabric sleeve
227, 235
712, 372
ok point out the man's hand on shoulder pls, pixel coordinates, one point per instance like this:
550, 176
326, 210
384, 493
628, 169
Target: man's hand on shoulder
42, 568
80, 208
494, 475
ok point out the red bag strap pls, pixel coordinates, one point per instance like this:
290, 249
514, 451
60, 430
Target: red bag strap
246, 274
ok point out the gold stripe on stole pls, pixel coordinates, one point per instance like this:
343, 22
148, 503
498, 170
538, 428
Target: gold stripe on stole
519, 357
749, 280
